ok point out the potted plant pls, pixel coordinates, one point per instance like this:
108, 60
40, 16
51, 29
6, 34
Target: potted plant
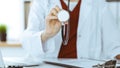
3, 31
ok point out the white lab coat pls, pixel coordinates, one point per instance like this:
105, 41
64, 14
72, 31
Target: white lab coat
97, 33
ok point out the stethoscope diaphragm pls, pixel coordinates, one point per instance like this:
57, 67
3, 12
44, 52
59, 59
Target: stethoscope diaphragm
63, 16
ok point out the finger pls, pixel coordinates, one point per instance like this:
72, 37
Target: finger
52, 17
53, 12
57, 8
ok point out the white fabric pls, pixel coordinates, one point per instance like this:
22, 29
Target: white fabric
72, 5
97, 34
1, 61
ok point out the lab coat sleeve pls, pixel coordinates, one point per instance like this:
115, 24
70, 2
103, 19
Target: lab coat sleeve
111, 35
31, 38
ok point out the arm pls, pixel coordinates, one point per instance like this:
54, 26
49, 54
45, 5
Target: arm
38, 37
31, 38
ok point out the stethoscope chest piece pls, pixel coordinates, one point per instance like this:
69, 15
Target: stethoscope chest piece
63, 16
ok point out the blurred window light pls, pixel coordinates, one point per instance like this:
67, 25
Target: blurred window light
11, 14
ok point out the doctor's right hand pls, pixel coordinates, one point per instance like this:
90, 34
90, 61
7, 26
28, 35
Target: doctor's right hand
53, 25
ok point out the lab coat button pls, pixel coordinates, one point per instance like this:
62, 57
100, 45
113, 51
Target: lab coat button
79, 36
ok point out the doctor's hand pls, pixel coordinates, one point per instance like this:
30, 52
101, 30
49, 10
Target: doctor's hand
118, 57
53, 25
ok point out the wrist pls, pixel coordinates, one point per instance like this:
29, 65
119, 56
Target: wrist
44, 36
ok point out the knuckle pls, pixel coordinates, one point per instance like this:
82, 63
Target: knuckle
53, 9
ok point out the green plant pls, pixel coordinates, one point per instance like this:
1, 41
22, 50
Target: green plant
3, 28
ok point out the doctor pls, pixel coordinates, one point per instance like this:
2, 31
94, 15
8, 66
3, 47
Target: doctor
93, 32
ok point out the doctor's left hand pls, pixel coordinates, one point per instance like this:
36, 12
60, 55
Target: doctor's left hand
118, 57
53, 25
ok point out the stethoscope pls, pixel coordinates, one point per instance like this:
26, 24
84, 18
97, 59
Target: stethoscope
64, 16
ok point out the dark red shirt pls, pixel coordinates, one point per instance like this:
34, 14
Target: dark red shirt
70, 50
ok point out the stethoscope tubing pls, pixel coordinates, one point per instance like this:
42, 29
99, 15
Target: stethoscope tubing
65, 34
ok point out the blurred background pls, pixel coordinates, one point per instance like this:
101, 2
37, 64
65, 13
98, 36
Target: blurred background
13, 21
13, 13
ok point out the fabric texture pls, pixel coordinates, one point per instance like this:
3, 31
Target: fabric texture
70, 50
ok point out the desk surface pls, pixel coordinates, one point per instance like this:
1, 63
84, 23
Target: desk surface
10, 44
45, 65
20, 61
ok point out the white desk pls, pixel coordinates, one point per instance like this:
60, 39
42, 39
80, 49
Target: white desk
85, 63
18, 52
18, 60
46, 66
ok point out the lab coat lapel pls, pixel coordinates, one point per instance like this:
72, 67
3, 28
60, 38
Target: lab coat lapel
86, 8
